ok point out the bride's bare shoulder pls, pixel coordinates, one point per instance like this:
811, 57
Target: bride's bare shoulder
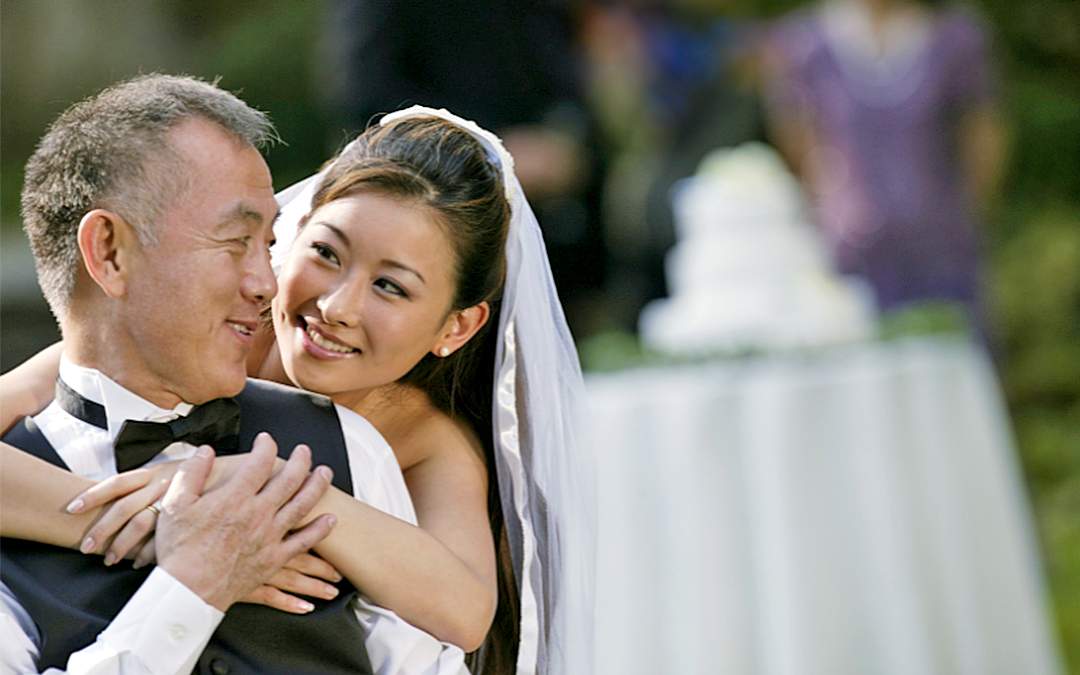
419, 432
441, 437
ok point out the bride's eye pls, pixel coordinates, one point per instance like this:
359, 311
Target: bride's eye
325, 252
390, 287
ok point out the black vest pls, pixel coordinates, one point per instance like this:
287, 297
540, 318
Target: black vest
69, 614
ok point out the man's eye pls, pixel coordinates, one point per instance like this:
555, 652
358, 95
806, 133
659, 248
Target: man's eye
325, 252
391, 287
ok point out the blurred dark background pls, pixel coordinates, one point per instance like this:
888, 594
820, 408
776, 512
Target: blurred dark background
615, 101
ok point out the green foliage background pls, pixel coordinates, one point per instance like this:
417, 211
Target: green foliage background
1034, 247
55, 51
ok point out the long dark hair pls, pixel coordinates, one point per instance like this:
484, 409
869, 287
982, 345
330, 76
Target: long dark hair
440, 165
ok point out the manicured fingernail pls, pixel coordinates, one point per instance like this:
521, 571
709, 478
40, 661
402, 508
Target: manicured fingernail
87, 545
325, 473
110, 558
205, 451
330, 591
304, 606
75, 506
137, 564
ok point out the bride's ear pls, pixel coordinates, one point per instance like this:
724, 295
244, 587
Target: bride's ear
106, 243
459, 328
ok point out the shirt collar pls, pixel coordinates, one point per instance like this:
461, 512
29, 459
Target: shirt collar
120, 403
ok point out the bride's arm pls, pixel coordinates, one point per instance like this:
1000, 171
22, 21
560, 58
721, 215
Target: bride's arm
29, 387
34, 505
33, 496
439, 576
33, 493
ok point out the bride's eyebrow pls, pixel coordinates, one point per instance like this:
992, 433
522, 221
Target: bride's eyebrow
335, 229
390, 263
405, 268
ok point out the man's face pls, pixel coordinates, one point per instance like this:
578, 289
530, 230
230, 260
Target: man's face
194, 298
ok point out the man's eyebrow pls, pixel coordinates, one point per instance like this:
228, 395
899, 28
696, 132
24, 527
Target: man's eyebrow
244, 214
392, 263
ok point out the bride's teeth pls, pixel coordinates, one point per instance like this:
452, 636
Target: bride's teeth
328, 344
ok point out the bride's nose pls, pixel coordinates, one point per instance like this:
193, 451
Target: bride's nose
342, 305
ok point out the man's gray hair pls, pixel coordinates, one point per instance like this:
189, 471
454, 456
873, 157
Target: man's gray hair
111, 151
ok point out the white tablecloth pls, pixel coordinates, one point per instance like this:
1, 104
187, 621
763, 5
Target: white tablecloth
856, 511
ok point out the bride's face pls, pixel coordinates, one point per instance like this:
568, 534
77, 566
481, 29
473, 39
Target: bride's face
365, 293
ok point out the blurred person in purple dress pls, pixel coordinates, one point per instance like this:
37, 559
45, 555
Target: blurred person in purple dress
888, 111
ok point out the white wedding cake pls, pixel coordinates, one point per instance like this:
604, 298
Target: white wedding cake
749, 272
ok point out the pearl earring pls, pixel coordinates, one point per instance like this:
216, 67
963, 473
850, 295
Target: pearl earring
444, 352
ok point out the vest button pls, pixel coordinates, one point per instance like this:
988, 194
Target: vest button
219, 667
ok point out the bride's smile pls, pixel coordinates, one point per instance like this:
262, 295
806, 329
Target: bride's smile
320, 344
364, 294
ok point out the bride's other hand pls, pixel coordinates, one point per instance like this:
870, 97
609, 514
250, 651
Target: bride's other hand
306, 575
124, 528
146, 554
127, 519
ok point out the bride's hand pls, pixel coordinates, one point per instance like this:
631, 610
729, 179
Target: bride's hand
126, 521
125, 529
305, 575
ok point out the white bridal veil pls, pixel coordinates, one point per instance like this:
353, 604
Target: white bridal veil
545, 473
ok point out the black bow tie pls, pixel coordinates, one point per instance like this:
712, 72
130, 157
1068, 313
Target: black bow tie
215, 423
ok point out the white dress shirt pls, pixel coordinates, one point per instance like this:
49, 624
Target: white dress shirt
164, 627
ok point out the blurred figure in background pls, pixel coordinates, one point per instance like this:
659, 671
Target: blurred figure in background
512, 67
888, 111
665, 86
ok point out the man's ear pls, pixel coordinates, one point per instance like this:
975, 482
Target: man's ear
460, 326
107, 242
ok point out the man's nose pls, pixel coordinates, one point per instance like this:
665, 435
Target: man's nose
260, 284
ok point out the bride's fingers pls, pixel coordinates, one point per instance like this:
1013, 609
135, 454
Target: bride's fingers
147, 554
131, 535
115, 517
313, 566
291, 581
272, 597
109, 489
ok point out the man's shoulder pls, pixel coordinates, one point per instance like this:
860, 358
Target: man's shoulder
291, 415
26, 435
264, 393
